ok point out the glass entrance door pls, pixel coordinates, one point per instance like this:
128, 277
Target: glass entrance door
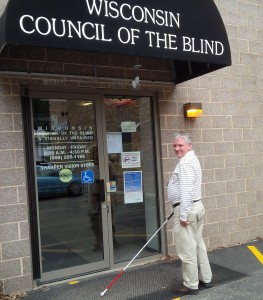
70, 181
96, 181
132, 177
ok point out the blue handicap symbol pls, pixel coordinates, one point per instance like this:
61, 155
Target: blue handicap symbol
87, 176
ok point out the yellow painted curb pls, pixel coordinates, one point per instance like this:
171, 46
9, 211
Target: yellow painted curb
73, 282
256, 252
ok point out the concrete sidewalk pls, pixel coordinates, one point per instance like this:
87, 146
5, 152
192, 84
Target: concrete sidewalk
237, 274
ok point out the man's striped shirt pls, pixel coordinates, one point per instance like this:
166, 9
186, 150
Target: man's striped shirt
185, 183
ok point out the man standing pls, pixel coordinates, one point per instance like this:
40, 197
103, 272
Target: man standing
184, 194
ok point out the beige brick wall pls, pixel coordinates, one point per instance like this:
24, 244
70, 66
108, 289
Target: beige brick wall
229, 137
15, 261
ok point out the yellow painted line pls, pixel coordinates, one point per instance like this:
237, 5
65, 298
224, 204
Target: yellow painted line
176, 298
256, 252
73, 282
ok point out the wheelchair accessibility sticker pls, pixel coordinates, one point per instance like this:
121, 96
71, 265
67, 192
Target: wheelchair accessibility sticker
87, 176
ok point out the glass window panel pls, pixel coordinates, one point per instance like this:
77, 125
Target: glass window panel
132, 173
65, 146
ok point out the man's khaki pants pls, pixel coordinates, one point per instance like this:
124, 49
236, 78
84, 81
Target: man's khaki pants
190, 247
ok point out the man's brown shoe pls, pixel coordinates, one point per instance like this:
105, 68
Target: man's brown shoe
185, 290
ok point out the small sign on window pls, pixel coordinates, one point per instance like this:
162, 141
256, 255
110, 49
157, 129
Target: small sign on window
87, 176
128, 126
131, 159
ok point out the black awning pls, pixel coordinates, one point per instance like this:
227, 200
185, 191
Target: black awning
189, 32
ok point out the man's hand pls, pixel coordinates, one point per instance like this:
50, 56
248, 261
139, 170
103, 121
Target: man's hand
184, 223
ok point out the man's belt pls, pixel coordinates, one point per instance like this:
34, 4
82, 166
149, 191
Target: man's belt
178, 203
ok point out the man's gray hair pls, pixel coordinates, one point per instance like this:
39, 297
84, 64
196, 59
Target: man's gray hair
183, 135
